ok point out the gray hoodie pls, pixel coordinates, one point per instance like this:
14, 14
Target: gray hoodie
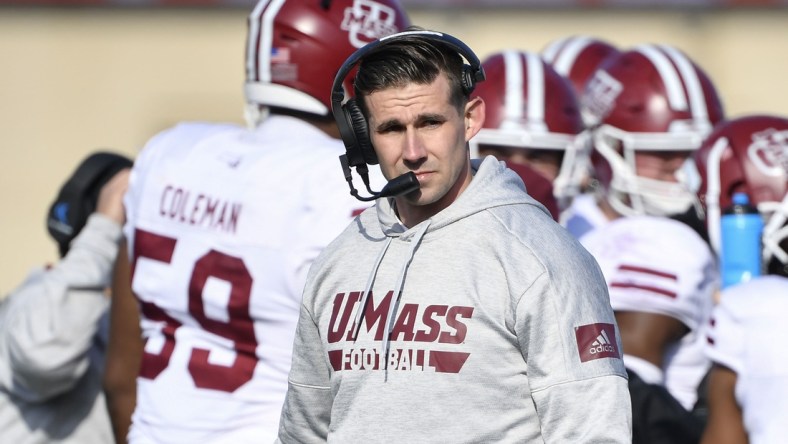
53, 332
486, 323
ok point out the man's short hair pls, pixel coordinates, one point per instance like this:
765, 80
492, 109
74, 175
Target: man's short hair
410, 59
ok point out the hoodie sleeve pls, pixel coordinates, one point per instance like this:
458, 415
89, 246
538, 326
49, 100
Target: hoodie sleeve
568, 334
50, 322
307, 409
592, 410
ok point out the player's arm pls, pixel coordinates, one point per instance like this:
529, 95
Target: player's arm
648, 335
124, 351
725, 424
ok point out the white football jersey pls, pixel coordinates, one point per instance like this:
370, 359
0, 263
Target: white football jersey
223, 224
583, 216
745, 335
658, 265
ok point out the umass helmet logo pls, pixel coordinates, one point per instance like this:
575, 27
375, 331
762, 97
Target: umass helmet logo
368, 20
769, 152
600, 96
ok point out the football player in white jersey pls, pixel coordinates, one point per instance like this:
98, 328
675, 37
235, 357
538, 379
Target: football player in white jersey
651, 107
748, 388
223, 223
661, 278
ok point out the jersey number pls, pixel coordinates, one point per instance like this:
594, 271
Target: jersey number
238, 328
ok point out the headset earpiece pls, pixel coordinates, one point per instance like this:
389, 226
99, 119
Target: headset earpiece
467, 79
353, 130
360, 131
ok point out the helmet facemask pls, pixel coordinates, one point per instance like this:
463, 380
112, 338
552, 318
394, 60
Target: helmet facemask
631, 194
750, 155
775, 232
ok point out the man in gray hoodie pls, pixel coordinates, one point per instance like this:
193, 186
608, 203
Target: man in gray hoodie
53, 327
458, 311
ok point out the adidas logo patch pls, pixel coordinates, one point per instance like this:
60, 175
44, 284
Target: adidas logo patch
595, 341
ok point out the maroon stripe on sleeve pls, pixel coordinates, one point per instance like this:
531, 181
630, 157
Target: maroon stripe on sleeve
651, 271
650, 288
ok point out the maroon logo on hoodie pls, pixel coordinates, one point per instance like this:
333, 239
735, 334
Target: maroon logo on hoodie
595, 341
413, 324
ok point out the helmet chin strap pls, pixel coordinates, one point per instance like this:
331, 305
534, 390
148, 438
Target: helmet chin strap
638, 196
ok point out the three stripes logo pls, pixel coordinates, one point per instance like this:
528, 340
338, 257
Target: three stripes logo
595, 341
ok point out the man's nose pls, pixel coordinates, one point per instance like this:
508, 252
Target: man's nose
414, 149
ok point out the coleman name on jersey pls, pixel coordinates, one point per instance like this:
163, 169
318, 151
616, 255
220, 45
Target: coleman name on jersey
181, 205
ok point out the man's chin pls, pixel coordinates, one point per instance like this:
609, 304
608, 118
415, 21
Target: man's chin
416, 198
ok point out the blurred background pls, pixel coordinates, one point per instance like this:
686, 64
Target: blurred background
81, 75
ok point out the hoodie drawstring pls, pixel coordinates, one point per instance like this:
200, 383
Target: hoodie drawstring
368, 288
414, 244
361, 308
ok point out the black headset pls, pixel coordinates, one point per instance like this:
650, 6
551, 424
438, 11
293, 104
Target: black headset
351, 122
78, 197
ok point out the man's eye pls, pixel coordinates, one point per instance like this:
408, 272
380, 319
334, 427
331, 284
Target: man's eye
389, 129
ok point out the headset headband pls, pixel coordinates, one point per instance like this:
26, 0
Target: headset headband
338, 92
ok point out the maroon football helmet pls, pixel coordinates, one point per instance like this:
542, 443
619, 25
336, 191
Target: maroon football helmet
530, 106
577, 58
295, 47
750, 155
652, 98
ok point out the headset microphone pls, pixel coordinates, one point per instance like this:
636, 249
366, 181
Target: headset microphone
403, 184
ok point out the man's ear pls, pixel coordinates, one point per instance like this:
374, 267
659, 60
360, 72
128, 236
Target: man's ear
474, 117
